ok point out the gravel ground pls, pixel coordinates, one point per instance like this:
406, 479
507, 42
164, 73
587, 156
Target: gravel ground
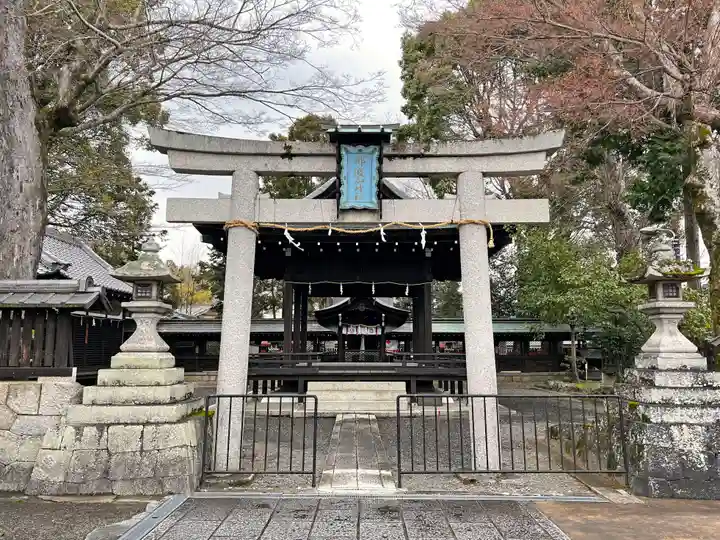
448, 448
270, 428
28, 518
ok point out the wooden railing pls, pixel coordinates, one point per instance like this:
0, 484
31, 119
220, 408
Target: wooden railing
303, 367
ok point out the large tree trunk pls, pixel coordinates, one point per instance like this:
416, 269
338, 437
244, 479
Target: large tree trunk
23, 189
705, 188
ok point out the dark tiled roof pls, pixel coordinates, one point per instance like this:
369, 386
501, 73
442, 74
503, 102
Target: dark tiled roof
74, 259
43, 293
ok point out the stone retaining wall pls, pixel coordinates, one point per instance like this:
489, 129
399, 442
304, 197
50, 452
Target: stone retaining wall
27, 411
125, 459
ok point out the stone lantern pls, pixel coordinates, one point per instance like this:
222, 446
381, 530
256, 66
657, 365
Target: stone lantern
667, 347
137, 431
149, 275
674, 431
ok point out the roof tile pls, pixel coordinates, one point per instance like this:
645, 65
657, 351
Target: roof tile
81, 261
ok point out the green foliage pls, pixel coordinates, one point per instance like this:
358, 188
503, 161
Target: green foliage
621, 336
93, 193
663, 158
433, 92
561, 281
447, 299
697, 322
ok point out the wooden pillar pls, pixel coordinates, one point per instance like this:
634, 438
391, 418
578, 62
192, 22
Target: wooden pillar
416, 320
341, 342
304, 321
297, 317
427, 318
287, 317
381, 345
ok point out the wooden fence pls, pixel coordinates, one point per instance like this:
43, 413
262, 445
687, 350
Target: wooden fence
35, 342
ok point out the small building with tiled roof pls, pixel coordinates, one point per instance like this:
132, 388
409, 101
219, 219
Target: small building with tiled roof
97, 335
67, 257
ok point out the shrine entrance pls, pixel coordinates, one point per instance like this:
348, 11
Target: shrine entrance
360, 238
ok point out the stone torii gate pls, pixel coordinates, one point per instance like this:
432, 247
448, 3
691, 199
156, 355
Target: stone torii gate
246, 160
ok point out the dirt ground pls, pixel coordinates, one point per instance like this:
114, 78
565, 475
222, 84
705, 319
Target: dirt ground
28, 518
655, 520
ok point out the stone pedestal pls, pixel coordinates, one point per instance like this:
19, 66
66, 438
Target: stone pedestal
378, 398
27, 411
133, 434
674, 434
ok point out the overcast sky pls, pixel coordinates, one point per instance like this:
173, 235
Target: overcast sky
377, 48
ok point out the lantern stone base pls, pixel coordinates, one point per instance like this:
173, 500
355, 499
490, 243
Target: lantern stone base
674, 433
119, 459
133, 434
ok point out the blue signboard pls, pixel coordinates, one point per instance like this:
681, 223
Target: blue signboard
359, 177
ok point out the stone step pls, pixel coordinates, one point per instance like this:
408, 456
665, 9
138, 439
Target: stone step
361, 407
131, 414
140, 377
142, 360
136, 395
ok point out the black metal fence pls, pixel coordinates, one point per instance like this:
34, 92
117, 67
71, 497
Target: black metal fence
441, 434
260, 434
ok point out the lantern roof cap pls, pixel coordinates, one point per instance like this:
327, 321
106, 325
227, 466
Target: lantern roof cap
147, 267
662, 263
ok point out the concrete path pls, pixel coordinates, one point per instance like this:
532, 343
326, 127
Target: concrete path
357, 460
370, 518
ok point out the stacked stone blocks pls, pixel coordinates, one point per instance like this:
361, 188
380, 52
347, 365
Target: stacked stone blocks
673, 401
122, 459
675, 432
27, 411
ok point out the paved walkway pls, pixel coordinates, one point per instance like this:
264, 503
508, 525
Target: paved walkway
357, 460
310, 518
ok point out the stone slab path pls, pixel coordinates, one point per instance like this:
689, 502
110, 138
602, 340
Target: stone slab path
356, 460
348, 518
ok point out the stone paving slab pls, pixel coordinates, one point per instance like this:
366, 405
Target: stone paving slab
358, 518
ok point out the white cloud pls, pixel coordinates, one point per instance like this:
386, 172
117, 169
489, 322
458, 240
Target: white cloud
376, 48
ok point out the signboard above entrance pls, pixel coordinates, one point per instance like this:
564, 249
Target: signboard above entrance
359, 177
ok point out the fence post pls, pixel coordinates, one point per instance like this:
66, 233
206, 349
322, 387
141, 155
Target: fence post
398, 443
